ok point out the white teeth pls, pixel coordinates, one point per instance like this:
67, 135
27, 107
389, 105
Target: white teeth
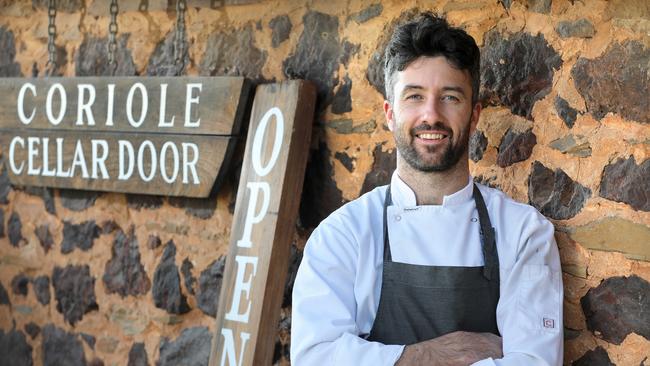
431, 136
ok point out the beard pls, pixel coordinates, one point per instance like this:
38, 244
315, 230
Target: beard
448, 156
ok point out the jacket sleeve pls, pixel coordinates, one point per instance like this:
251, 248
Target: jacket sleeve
324, 329
529, 313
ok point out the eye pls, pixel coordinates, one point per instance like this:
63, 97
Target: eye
450, 98
414, 97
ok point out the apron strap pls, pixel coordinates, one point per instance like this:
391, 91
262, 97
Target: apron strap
490, 254
388, 201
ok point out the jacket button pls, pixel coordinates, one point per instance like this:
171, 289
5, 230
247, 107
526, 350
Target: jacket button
398, 217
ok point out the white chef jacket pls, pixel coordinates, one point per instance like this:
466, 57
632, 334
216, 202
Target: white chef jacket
338, 285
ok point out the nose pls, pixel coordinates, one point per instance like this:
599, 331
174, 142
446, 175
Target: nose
432, 112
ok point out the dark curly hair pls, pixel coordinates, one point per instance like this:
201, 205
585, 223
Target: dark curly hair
430, 35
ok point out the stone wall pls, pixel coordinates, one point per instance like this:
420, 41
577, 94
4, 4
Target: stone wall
114, 279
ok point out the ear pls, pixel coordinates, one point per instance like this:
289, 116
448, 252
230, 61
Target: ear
388, 113
476, 113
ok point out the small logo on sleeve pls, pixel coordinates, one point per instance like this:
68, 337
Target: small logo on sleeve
549, 323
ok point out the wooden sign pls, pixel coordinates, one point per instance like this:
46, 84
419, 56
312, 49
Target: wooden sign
166, 136
263, 224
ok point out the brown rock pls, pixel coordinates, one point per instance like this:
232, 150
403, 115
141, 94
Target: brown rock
624, 181
615, 234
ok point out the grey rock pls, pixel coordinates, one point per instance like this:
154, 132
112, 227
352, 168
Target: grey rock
61, 348
574, 145
618, 307
138, 355
74, 290
477, 145
166, 290
44, 237
8, 66
581, 28
192, 347
144, 201
5, 185
368, 13
4, 296
2, 223
280, 29
70, 6
19, 284
349, 50
625, 181
515, 147
14, 349
382, 168
596, 357
92, 58
517, 71
189, 279
15, 227
78, 200
616, 82
42, 289
89, 339
342, 102
346, 160
124, 273
81, 236
210, 285
153, 242
32, 329
539, 6
565, 111
203, 208
554, 193
163, 62
294, 263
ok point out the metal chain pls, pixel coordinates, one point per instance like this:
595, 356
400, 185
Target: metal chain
179, 40
51, 36
112, 33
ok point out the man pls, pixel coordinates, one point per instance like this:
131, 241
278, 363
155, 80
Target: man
432, 269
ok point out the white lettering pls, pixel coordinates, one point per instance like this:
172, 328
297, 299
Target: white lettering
79, 160
125, 146
190, 165
229, 347
59, 159
143, 107
46, 159
189, 100
242, 286
84, 106
21, 101
48, 104
252, 218
99, 161
109, 105
259, 139
152, 166
163, 159
32, 152
163, 106
12, 161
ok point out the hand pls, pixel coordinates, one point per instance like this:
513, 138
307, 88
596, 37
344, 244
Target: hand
453, 349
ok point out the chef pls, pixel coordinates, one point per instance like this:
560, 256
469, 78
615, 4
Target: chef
432, 269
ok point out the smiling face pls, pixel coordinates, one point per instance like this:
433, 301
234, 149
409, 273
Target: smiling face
431, 115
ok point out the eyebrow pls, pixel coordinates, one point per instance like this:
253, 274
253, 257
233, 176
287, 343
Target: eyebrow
409, 87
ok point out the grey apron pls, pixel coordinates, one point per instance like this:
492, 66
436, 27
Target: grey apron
419, 303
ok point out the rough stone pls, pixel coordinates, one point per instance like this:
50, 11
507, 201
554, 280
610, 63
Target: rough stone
595, 357
44, 236
140, 201
565, 111
346, 160
138, 355
477, 145
61, 348
515, 147
89, 339
618, 307
107, 344
517, 71
19, 284
124, 273
629, 9
96, 362
166, 291
342, 102
233, 53
554, 193
280, 29
74, 290
2, 223
14, 349
163, 62
81, 236
4, 296
5, 184
189, 279
192, 347
320, 195
574, 145
624, 181
109, 226
616, 82
77, 200
41, 286
210, 285
15, 227
153, 242
539, 6
8, 66
92, 59
32, 329
581, 28
294, 263
349, 50
382, 168
316, 57
368, 13
69, 6
605, 234
346, 126
46, 194
203, 208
